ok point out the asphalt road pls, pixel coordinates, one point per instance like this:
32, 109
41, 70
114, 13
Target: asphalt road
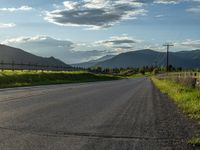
115, 115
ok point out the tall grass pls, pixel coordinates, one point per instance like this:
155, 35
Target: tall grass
187, 98
27, 78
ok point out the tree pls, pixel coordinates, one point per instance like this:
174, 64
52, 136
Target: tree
98, 69
155, 71
179, 69
171, 68
142, 71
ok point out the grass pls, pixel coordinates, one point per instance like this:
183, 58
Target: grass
147, 74
194, 141
188, 99
30, 78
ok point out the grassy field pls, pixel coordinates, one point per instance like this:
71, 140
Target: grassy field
188, 99
147, 74
29, 78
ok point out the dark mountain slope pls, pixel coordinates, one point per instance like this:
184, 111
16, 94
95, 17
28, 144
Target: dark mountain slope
93, 62
140, 58
9, 54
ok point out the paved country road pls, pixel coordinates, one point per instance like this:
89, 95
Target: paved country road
115, 115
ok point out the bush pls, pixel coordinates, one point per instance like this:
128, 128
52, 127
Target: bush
155, 71
142, 71
187, 81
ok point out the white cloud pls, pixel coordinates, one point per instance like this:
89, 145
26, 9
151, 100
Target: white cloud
98, 4
186, 45
159, 16
70, 5
42, 40
119, 43
173, 1
103, 14
194, 9
95, 14
167, 1
13, 9
195, 44
7, 25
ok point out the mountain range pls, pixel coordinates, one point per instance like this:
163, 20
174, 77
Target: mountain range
92, 63
148, 57
14, 55
139, 58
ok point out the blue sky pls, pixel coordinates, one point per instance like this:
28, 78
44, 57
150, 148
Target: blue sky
81, 30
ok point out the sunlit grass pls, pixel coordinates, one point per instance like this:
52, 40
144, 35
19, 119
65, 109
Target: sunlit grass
188, 99
10, 78
10, 72
147, 74
194, 141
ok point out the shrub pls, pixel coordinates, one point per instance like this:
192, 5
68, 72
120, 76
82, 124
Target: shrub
142, 71
155, 71
188, 81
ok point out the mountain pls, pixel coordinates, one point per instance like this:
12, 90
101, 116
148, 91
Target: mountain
14, 55
147, 57
93, 62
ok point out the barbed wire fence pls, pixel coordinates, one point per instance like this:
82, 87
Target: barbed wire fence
34, 67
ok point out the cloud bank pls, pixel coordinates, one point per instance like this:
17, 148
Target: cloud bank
7, 25
121, 43
167, 1
195, 44
195, 9
95, 14
13, 9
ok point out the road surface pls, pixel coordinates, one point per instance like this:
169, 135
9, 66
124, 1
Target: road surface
129, 114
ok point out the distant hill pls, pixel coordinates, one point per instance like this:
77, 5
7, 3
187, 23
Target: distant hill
147, 57
93, 62
10, 54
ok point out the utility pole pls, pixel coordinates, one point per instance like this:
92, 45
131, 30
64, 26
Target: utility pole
168, 46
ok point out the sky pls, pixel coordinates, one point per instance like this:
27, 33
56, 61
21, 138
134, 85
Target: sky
81, 30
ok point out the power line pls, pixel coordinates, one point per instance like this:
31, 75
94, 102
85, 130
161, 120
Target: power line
168, 46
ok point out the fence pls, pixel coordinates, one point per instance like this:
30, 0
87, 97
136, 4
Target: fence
188, 78
21, 66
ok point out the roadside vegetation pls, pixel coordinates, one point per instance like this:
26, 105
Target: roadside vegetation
186, 97
129, 72
194, 141
17, 78
10, 78
133, 71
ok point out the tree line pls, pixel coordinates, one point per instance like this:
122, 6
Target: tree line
132, 70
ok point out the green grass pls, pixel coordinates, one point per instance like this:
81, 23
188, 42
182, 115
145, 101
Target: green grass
188, 99
147, 74
194, 141
29, 78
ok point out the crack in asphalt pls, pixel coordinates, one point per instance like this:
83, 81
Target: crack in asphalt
90, 135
